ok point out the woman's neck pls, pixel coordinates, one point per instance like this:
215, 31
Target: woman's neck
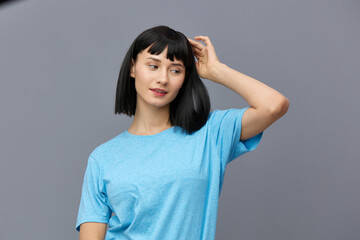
149, 121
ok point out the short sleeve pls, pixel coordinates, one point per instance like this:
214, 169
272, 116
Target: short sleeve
93, 206
226, 130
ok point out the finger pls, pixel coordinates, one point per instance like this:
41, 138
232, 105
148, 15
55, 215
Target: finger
196, 44
198, 52
205, 39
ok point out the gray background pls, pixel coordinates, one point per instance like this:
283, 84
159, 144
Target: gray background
59, 63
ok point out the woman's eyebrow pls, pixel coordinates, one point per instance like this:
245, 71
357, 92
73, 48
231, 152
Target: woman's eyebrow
174, 64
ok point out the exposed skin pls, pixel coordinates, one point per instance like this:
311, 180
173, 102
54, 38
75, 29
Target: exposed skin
266, 104
92, 231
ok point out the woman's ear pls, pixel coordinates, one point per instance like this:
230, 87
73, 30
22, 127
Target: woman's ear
132, 69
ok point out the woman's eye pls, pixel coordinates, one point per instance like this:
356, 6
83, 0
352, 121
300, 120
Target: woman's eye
155, 67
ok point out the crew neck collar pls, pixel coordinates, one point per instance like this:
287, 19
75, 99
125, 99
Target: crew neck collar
149, 136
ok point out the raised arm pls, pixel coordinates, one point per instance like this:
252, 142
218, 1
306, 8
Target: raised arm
266, 104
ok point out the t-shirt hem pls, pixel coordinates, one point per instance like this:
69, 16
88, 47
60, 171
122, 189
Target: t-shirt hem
243, 146
250, 144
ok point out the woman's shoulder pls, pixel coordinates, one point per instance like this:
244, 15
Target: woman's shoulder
109, 146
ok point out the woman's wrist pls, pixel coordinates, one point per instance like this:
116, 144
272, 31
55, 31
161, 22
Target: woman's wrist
217, 72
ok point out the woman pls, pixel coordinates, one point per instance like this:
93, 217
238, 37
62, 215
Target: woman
162, 177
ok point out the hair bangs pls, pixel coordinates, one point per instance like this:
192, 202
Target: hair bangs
176, 48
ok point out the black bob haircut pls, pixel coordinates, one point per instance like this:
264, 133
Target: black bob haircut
191, 107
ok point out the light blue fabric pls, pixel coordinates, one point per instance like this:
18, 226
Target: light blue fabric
164, 186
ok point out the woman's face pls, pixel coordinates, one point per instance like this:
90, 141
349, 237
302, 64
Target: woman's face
156, 72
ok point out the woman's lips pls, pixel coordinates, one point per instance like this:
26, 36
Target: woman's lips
157, 93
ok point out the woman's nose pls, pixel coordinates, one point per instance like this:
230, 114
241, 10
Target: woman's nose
163, 77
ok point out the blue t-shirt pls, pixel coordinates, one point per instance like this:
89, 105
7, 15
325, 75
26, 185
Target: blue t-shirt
164, 186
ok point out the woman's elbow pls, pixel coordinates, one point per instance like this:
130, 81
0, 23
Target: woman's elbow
281, 107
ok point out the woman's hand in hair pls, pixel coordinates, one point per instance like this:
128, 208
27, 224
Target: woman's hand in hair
207, 63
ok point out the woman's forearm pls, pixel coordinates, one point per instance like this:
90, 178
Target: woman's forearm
256, 93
